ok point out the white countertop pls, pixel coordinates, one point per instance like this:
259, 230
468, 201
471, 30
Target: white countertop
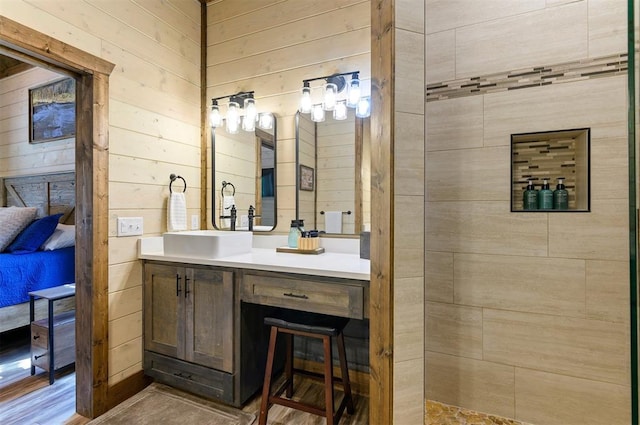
331, 264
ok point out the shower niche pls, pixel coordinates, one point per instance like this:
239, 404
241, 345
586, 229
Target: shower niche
551, 155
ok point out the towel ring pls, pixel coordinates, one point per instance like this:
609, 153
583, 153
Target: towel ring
173, 177
343, 212
224, 185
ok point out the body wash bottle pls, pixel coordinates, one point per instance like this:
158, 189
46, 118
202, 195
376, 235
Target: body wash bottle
560, 196
545, 196
530, 198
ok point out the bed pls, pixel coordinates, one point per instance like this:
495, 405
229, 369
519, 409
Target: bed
52, 196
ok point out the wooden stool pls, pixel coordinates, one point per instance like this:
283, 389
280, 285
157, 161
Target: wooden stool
315, 326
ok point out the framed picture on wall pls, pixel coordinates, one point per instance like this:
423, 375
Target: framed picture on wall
52, 111
306, 178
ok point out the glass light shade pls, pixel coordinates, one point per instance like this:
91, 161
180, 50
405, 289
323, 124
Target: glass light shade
354, 93
317, 114
265, 121
250, 115
340, 111
215, 119
363, 110
233, 118
330, 93
305, 100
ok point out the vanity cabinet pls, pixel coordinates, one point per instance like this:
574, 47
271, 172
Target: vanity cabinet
189, 328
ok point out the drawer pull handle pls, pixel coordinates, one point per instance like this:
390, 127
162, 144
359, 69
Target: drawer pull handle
37, 357
292, 295
181, 375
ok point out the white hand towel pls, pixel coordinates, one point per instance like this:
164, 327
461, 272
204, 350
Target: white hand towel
333, 221
177, 212
227, 202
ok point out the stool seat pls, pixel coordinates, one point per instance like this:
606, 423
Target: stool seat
309, 322
312, 325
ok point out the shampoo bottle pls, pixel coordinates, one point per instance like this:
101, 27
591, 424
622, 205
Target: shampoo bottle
560, 196
545, 196
530, 197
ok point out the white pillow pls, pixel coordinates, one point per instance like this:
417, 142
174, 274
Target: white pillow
63, 236
13, 220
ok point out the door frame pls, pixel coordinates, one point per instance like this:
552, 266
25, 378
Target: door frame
92, 203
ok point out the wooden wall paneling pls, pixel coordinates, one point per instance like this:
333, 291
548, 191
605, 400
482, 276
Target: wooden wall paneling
382, 241
359, 195
92, 142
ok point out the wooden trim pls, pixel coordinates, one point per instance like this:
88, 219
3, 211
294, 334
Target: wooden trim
92, 256
382, 214
204, 121
37, 45
359, 139
126, 388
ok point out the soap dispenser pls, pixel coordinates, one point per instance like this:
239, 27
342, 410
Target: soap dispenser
530, 197
294, 234
560, 196
545, 196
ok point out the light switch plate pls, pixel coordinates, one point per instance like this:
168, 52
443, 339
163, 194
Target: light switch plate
129, 226
195, 222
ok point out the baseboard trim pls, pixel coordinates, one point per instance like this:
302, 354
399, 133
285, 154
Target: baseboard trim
126, 388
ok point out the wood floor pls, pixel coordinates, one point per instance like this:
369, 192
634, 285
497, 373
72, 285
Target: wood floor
26, 399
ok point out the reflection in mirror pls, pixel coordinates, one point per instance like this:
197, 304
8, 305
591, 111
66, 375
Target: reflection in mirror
333, 174
244, 177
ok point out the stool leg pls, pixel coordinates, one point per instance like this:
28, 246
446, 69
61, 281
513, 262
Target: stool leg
346, 382
328, 379
289, 364
266, 387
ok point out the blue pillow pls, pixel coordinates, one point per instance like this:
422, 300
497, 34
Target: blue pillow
31, 238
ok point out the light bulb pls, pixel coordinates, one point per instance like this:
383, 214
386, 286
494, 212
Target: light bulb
330, 92
354, 93
233, 118
317, 114
250, 115
340, 111
305, 100
363, 110
215, 118
265, 121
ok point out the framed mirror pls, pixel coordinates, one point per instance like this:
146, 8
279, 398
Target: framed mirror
333, 174
244, 176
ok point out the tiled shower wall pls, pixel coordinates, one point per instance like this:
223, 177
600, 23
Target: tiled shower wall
526, 314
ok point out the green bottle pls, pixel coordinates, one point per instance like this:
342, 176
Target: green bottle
530, 197
560, 196
545, 196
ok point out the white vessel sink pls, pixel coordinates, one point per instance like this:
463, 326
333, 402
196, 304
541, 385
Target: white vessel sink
206, 244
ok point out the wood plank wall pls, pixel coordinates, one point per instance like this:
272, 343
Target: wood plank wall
154, 98
17, 155
270, 46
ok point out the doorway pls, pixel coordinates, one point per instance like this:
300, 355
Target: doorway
91, 154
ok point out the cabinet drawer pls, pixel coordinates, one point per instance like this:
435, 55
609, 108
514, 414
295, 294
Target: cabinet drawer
190, 377
338, 299
64, 335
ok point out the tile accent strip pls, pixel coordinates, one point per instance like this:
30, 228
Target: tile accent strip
604, 66
443, 414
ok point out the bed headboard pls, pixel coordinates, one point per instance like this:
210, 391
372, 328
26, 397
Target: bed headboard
50, 193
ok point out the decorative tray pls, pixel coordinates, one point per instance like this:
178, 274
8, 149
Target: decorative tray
315, 251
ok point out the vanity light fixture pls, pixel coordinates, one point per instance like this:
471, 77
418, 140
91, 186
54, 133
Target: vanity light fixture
334, 85
235, 119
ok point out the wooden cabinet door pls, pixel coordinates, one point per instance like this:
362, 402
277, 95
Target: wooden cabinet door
163, 306
209, 318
